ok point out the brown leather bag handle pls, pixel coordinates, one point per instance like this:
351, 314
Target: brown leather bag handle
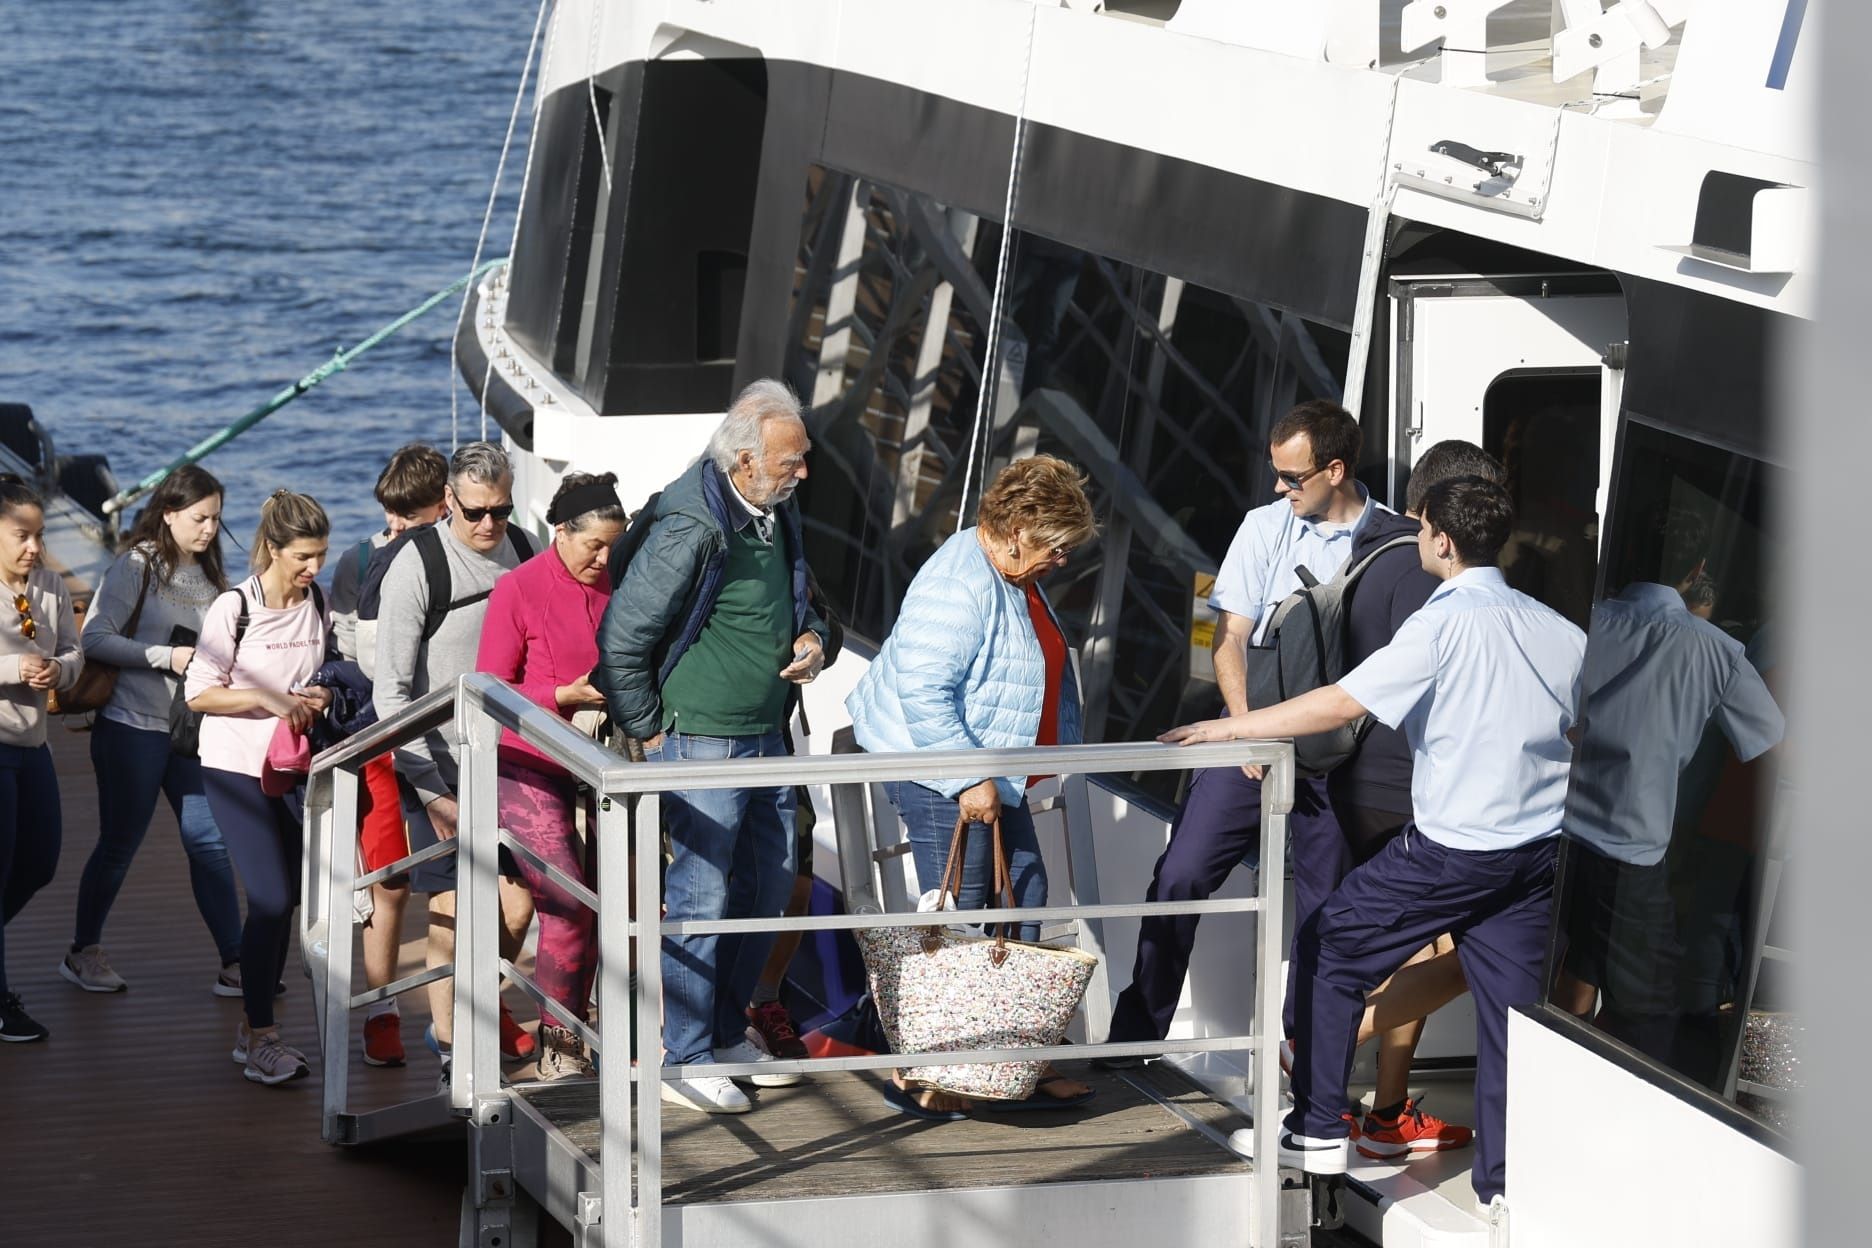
1003, 880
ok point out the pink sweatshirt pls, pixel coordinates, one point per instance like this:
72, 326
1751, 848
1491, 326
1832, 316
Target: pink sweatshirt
541, 632
282, 647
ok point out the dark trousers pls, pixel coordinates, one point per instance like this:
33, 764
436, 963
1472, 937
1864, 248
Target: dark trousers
266, 841
1319, 861
135, 767
1219, 826
1496, 904
30, 831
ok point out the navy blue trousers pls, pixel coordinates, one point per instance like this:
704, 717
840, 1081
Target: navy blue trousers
266, 840
1497, 906
1218, 827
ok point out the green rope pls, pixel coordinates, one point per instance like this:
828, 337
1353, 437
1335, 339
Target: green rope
340, 361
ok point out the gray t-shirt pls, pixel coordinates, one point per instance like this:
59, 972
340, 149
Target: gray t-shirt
145, 684
407, 667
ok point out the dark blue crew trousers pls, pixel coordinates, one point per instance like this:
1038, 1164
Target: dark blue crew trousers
30, 831
1218, 827
266, 841
1496, 904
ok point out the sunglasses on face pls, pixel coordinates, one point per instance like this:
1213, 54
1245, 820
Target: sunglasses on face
28, 628
475, 515
1294, 480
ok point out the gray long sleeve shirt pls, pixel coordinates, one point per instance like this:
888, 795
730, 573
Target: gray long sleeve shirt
407, 667
144, 687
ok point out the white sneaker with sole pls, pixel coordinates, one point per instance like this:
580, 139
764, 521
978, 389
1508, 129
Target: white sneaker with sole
711, 1094
91, 970
1313, 1155
747, 1051
271, 1062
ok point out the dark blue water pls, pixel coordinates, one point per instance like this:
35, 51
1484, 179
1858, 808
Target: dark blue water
201, 199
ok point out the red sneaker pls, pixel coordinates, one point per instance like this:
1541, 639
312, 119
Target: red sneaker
517, 1043
383, 1040
771, 1028
1412, 1132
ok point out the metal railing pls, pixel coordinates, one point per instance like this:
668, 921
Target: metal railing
630, 885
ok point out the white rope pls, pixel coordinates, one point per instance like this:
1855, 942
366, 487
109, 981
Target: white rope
982, 431
591, 92
526, 177
487, 218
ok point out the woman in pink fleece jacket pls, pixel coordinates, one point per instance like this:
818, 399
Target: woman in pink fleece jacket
540, 635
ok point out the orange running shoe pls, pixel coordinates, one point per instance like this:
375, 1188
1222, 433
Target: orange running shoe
383, 1040
516, 1042
1412, 1132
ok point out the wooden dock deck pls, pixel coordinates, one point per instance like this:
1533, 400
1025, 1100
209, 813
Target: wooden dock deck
132, 1125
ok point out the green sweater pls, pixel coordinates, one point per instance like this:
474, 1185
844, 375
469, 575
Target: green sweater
728, 683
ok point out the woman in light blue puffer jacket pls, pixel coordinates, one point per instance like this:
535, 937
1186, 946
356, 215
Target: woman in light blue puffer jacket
978, 660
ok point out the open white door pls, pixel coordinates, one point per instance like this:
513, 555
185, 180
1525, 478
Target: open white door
1519, 366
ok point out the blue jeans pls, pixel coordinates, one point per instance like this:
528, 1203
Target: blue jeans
29, 831
731, 858
930, 819
134, 767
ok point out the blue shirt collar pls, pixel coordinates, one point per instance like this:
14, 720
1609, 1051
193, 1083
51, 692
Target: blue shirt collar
1319, 525
1491, 577
1656, 597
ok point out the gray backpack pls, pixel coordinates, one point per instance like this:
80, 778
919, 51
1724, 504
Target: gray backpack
1304, 648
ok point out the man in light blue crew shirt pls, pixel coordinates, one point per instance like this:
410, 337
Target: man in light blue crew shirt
1656, 677
1484, 682
1319, 509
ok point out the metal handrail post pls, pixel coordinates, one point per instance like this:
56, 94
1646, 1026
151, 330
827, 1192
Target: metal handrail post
1082, 876
1277, 798
340, 850
476, 1062
649, 1221
616, 1088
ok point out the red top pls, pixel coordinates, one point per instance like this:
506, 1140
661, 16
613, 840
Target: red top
1053, 646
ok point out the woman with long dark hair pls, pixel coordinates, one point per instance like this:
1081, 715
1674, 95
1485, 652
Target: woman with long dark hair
38, 653
260, 643
144, 621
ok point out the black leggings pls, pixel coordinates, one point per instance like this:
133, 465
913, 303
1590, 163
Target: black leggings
29, 831
266, 841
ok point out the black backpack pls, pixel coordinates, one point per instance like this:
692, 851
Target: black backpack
1304, 648
428, 542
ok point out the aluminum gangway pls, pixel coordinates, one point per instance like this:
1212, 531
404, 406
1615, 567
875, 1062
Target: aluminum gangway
823, 1163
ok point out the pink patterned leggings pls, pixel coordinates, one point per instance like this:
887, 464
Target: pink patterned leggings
536, 807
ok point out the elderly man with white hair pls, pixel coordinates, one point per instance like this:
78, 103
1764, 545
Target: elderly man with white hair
702, 637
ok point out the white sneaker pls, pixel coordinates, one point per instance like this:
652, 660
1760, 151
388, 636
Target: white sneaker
710, 1094
91, 970
747, 1051
1313, 1155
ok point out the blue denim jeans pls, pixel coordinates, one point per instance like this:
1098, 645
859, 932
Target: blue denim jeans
731, 858
135, 766
930, 819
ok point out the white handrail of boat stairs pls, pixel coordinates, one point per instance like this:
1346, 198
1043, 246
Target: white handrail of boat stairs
627, 795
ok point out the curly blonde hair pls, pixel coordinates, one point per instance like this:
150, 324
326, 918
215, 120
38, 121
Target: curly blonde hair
1042, 497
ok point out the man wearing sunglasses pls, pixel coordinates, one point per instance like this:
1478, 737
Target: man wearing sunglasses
1318, 510
428, 632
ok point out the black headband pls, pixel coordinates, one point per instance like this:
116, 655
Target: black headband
580, 499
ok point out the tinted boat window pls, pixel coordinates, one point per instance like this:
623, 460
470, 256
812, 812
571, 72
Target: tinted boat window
1676, 849
1161, 391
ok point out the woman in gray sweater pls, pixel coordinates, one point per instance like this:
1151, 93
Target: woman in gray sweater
171, 564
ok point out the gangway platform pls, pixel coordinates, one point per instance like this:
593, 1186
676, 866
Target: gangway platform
827, 1162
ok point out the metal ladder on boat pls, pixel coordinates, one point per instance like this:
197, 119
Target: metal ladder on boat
611, 1195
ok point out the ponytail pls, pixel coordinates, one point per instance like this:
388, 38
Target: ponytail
285, 518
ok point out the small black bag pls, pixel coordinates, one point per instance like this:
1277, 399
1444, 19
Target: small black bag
184, 724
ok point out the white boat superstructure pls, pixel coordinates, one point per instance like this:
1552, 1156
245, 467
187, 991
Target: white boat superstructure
968, 229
